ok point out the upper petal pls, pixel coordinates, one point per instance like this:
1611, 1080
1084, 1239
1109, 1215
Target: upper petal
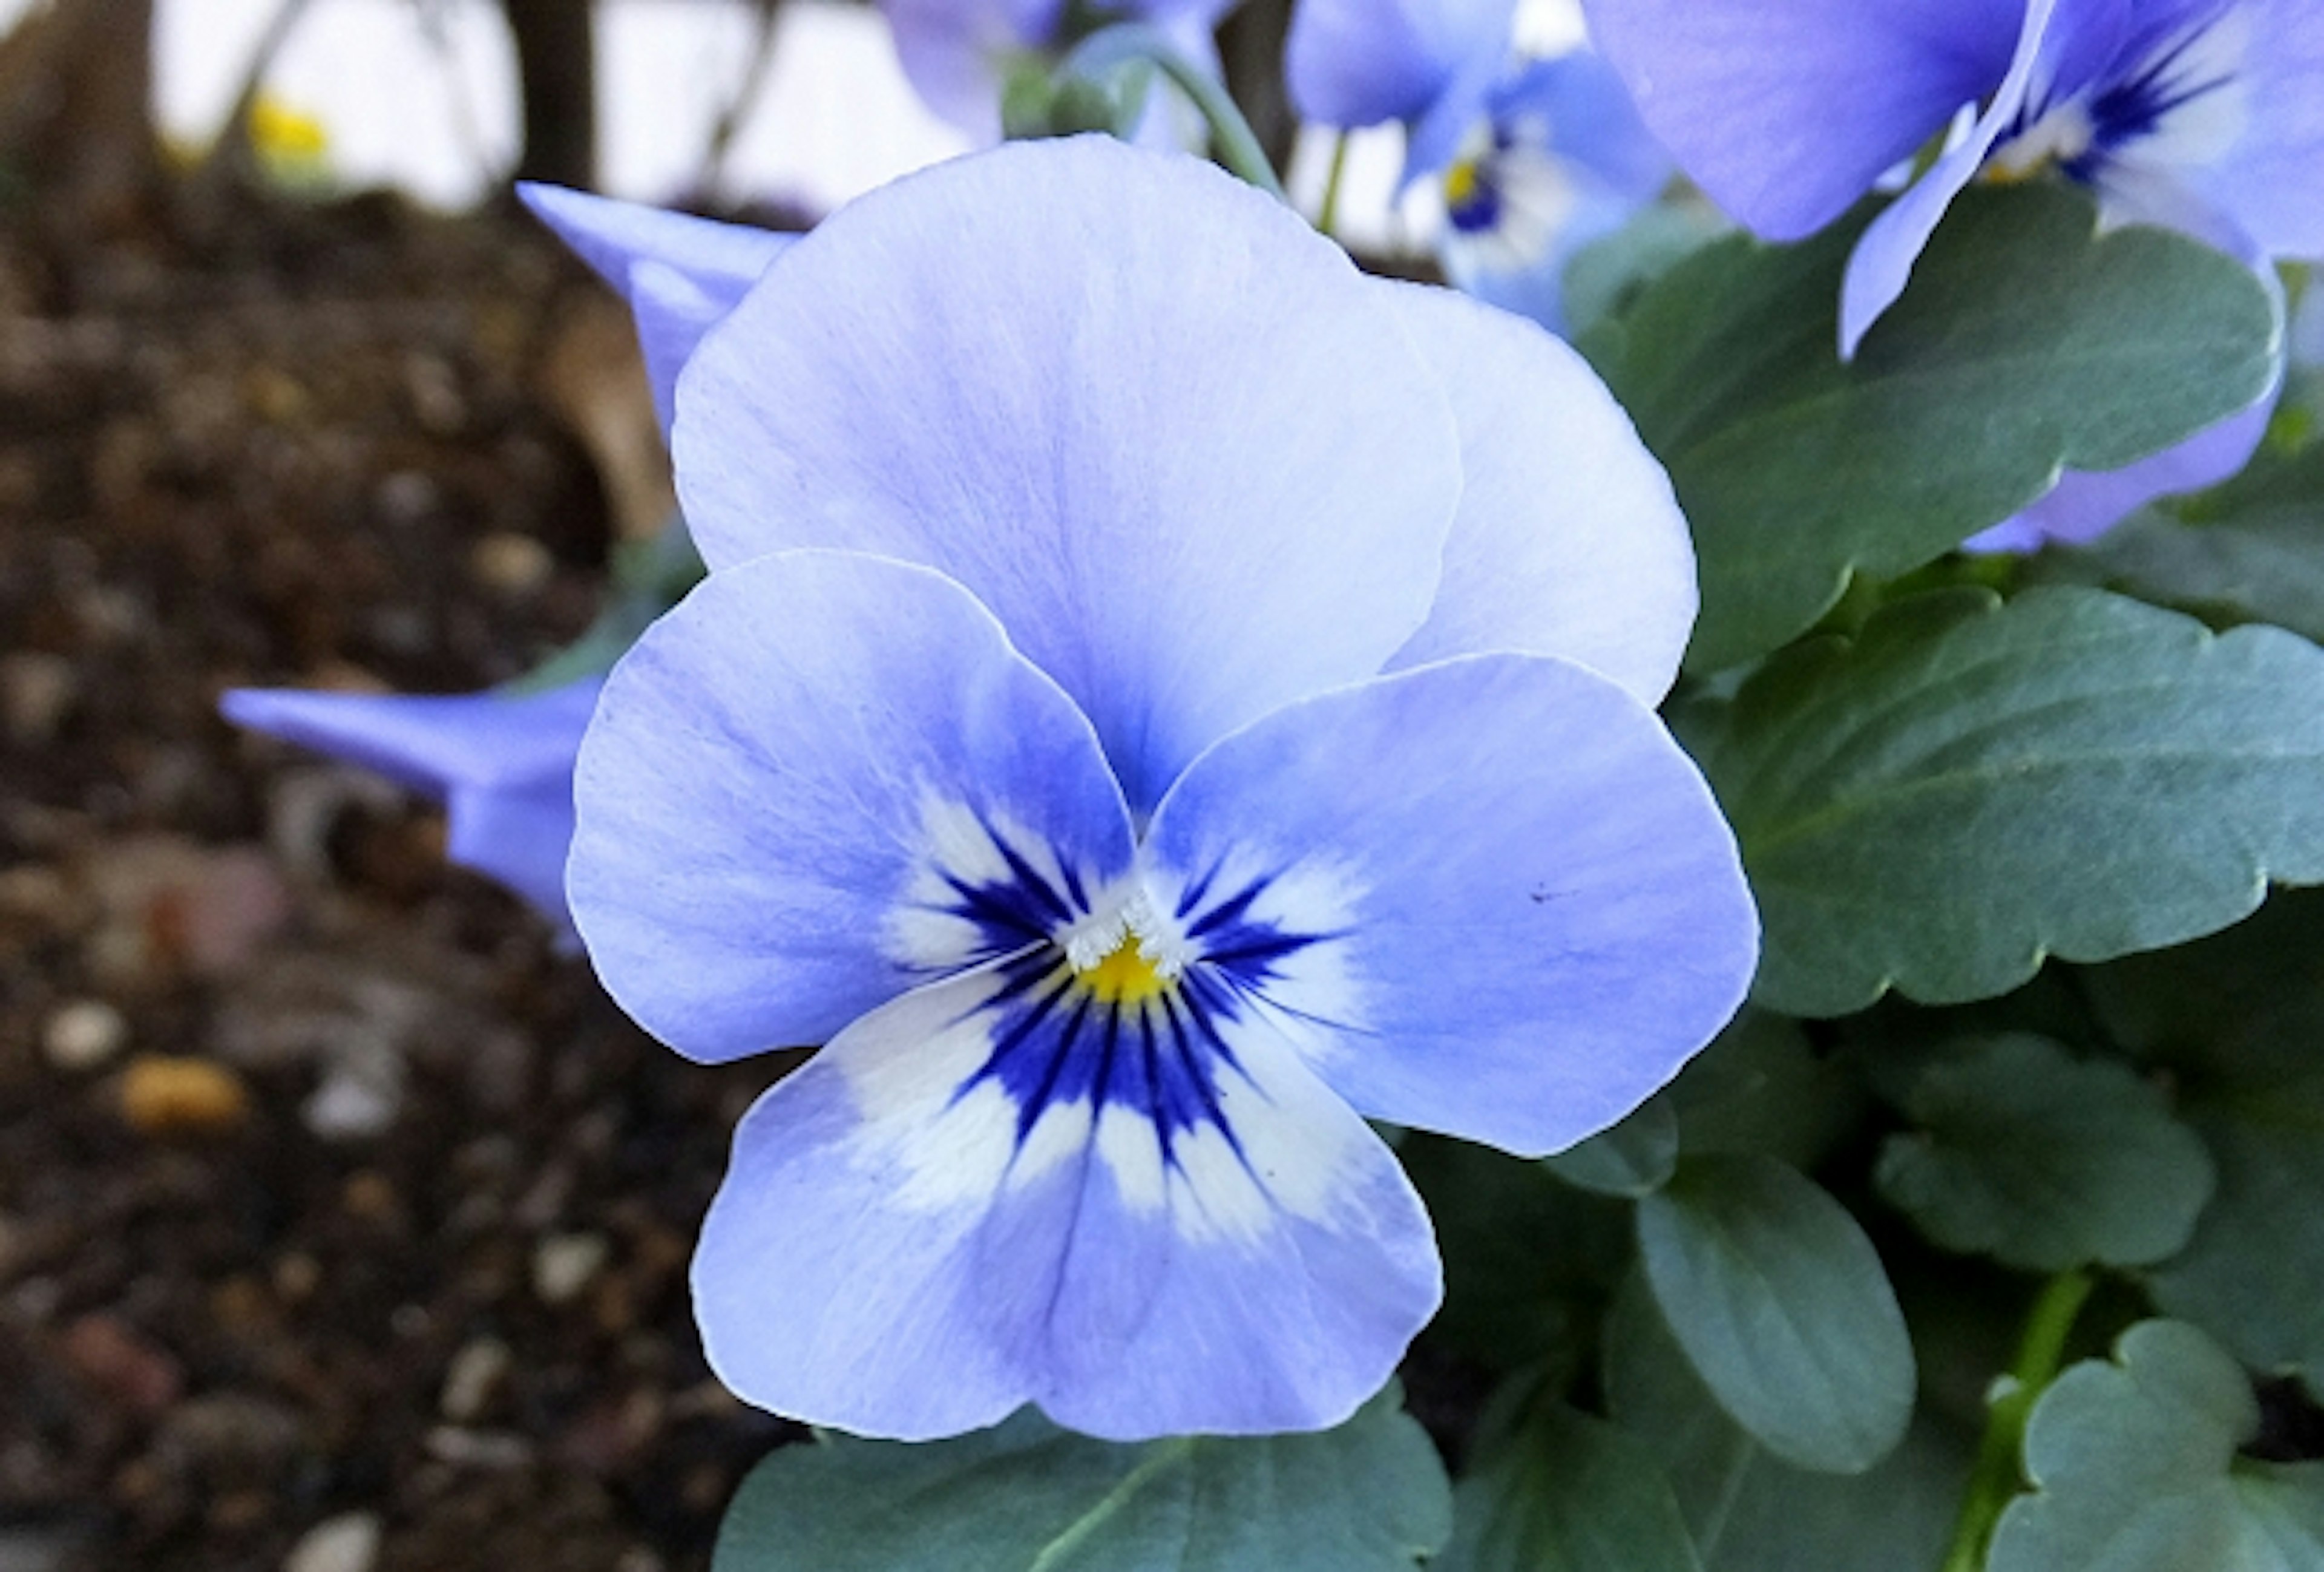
1519, 909
1165, 431
1568, 540
1787, 111
801, 785
910, 1243
1358, 62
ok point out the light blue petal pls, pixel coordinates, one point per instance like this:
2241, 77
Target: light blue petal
1785, 112
957, 52
1435, 136
1168, 434
1568, 541
502, 764
1522, 909
1885, 254
796, 786
904, 1248
1359, 62
672, 310
1576, 106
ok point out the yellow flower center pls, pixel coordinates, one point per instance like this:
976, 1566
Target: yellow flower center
1125, 976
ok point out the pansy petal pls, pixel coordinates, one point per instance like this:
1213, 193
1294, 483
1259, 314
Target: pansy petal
672, 310
612, 236
427, 742
957, 52
518, 837
1205, 478
1568, 541
904, 1246
1359, 62
1521, 910
1885, 254
802, 786
1785, 114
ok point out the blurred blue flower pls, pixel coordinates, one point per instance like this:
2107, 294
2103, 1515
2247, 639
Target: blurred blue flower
1029, 744
1430, 64
1561, 160
959, 54
502, 764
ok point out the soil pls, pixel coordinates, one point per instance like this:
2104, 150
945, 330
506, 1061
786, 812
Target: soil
343, 1222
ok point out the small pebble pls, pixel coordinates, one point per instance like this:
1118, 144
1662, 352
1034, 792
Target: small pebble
472, 1378
37, 691
169, 1095
510, 563
84, 1035
346, 1543
350, 1105
563, 1265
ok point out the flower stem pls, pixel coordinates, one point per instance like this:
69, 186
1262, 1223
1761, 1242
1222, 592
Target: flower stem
1997, 1475
1232, 139
1327, 217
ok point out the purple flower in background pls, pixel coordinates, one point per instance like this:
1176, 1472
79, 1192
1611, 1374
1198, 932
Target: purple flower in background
2206, 116
501, 764
959, 54
1430, 64
1160, 698
1562, 159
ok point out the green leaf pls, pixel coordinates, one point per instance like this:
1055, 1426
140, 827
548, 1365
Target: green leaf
1760, 1088
1521, 1252
1747, 1511
1567, 1494
2131, 1461
1969, 786
1025, 1496
1782, 1306
1632, 1159
2023, 344
2283, 1516
2042, 1161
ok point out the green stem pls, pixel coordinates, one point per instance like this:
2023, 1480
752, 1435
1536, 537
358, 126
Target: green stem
1231, 138
1327, 218
1998, 1476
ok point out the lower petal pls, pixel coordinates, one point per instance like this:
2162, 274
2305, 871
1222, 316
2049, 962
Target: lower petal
912, 1243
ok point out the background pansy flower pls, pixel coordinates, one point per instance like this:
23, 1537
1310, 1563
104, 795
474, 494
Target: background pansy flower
2206, 116
1029, 743
1430, 64
502, 764
1560, 160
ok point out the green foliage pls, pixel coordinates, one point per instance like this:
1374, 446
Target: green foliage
1747, 1509
1968, 787
1781, 1307
2024, 1153
2023, 344
1025, 1496
2135, 1470
1567, 1492
1634, 1158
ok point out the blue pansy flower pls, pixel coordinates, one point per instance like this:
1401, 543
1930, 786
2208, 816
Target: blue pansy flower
959, 54
1561, 160
502, 764
1160, 698
1430, 64
2207, 115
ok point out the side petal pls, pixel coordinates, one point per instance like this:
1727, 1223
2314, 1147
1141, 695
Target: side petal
820, 780
1568, 541
1162, 428
1359, 62
518, 837
957, 52
429, 743
905, 1247
1521, 910
1785, 114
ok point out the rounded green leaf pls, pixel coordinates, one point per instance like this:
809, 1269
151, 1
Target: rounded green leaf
1567, 1494
2131, 1461
1782, 1307
2025, 343
2042, 1161
1634, 1158
1025, 1496
1969, 786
